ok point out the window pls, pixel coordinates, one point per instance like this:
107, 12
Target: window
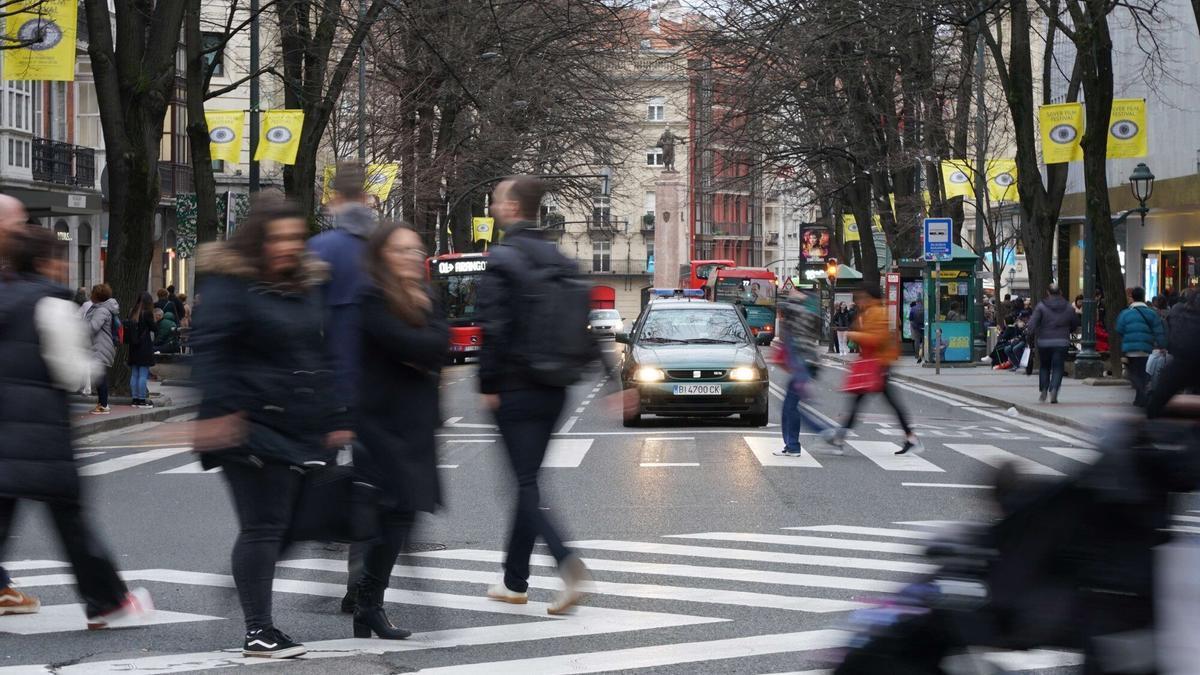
88, 132
656, 109
650, 255
651, 201
57, 123
18, 153
654, 157
602, 256
601, 211
215, 59
18, 104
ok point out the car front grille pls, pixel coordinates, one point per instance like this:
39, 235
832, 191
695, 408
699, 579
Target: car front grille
697, 375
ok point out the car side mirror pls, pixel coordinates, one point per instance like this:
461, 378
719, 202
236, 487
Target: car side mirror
623, 337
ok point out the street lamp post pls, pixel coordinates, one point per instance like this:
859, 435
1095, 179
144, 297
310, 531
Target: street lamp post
1087, 362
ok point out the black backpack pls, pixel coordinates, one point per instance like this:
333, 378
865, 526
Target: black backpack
1183, 329
556, 346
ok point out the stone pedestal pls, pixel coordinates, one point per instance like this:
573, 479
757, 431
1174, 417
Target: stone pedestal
670, 229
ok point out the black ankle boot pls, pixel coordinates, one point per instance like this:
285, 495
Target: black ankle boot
374, 620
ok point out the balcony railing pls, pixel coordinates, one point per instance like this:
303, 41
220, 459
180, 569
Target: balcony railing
174, 178
601, 267
63, 163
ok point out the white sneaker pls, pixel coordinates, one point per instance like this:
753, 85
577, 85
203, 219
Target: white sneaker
502, 593
834, 436
576, 578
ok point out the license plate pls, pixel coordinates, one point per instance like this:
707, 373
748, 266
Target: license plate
697, 390
471, 348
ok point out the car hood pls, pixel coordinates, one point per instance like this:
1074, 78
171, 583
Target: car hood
697, 356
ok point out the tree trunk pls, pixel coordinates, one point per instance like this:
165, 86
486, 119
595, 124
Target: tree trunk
1094, 49
197, 129
859, 201
962, 124
134, 78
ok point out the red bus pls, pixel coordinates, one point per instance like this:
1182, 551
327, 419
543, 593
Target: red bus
751, 288
700, 270
455, 281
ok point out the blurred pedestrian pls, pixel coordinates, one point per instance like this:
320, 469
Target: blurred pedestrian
343, 248
801, 325
1142, 333
526, 409
184, 320
140, 335
1053, 321
265, 412
43, 352
880, 343
405, 343
102, 319
916, 321
176, 303
1181, 371
81, 296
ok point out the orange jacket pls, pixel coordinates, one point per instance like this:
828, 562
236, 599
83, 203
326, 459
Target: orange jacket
875, 336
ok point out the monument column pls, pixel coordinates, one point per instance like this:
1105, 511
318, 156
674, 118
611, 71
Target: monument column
670, 222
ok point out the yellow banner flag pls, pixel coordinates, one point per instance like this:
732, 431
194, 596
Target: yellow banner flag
1002, 180
482, 229
849, 229
380, 178
928, 199
280, 138
46, 39
327, 183
1062, 129
225, 134
956, 179
1127, 129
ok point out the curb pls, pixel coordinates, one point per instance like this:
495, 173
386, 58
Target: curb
1027, 410
101, 424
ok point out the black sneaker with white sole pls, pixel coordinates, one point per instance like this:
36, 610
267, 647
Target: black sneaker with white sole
271, 643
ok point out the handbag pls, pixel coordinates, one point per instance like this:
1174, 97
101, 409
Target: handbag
779, 356
1025, 357
334, 505
866, 376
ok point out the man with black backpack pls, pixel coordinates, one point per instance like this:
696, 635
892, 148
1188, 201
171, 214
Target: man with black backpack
533, 308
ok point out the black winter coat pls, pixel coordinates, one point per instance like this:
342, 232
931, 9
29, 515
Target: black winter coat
141, 340
259, 351
36, 460
398, 409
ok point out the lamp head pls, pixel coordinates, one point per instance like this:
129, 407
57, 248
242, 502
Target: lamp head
1141, 182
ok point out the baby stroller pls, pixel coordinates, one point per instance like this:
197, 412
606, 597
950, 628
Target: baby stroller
1069, 565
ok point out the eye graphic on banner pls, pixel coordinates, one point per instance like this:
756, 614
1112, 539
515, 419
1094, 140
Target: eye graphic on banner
849, 229
482, 229
1127, 132
225, 134
327, 183
1063, 134
42, 42
280, 139
956, 179
1002, 180
380, 178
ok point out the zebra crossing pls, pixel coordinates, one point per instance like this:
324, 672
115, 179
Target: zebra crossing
667, 451
697, 601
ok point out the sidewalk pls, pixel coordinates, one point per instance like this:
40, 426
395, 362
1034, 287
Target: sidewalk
1081, 405
168, 400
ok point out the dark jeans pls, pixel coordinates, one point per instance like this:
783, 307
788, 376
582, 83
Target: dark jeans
889, 395
526, 419
792, 419
1135, 367
919, 343
379, 555
264, 499
1051, 362
102, 387
1013, 351
95, 575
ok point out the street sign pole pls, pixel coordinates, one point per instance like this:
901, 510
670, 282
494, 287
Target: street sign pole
937, 319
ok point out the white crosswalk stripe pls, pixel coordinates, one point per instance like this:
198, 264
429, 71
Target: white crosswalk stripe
686, 596
884, 455
996, 458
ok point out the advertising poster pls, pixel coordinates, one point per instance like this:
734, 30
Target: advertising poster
814, 243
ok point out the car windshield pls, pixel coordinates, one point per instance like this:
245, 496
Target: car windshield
604, 315
711, 326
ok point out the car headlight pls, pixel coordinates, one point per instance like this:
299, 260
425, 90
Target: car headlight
648, 374
743, 374
589, 326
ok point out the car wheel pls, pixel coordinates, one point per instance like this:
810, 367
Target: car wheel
755, 419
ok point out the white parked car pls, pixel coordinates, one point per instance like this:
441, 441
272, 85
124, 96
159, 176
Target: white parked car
605, 322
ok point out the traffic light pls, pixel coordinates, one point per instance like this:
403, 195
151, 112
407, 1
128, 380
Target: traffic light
831, 269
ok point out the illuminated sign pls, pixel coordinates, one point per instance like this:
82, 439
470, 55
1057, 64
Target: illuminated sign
461, 266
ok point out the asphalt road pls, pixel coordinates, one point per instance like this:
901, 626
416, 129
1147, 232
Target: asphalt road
711, 554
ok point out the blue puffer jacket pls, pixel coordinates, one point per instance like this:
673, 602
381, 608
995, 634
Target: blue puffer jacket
1141, 329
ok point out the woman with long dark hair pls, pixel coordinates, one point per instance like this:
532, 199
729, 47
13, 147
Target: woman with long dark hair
404, 344
140, 335
264, 373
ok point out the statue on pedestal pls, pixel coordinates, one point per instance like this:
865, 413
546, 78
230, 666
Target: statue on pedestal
667, 143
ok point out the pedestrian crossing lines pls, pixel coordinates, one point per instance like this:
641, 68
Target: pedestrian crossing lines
667, 598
